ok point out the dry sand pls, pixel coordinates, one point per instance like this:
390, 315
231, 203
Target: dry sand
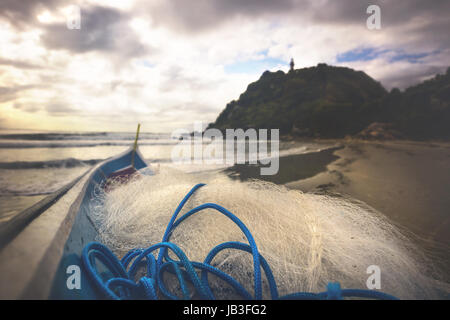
409, 182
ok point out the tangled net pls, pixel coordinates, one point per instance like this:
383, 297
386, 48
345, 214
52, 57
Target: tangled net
308, 240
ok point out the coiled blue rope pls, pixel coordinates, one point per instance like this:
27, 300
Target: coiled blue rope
121, 283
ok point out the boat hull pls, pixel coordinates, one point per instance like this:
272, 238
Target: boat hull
35, 262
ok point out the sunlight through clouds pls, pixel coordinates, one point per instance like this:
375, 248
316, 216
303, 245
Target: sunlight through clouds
170, 63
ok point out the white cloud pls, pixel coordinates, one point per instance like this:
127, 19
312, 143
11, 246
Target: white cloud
179, 75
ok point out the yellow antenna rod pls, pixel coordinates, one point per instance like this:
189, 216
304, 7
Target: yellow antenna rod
135, 145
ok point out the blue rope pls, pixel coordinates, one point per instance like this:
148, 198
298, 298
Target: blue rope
121, 283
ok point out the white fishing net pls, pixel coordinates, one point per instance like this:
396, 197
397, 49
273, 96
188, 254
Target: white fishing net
307, 239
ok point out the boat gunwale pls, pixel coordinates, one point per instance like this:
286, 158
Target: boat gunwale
45, 266
12, 227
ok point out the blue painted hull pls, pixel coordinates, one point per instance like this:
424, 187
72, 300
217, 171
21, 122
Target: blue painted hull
83, 229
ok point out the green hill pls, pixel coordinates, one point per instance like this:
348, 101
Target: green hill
421, 111
332, 102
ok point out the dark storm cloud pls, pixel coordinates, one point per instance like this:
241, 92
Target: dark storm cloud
204, 14
393, 12
102, 29
397, 17
411, 26
21, 13
196, 16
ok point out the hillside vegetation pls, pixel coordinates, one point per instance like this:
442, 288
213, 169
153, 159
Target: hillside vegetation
333, 102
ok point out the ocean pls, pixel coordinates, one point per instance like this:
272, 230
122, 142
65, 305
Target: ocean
339, 220
34, 164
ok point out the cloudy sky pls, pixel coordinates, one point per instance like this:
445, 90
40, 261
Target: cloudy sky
168, 63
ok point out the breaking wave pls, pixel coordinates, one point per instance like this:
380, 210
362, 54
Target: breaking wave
81, 144
83, 136
63, 163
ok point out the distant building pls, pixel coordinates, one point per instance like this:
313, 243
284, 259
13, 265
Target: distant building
292, 64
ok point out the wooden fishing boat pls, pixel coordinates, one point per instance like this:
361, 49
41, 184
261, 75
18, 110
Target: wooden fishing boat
39, 245
42, 249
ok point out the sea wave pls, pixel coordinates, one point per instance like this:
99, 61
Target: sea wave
33, 182
83, 136
32, 178
65, 144
63, 163
15, 193
73, 162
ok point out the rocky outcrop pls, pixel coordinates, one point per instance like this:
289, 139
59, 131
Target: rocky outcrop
379, 131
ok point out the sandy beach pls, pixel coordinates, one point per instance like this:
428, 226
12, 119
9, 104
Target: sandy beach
409, 182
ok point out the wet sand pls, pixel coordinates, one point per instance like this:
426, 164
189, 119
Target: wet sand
291, 168
409, 182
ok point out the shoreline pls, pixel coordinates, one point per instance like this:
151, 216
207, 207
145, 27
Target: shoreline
291, 167
407, 181
402, 179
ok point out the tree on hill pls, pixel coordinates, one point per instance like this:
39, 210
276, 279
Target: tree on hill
319, 101
332, 102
